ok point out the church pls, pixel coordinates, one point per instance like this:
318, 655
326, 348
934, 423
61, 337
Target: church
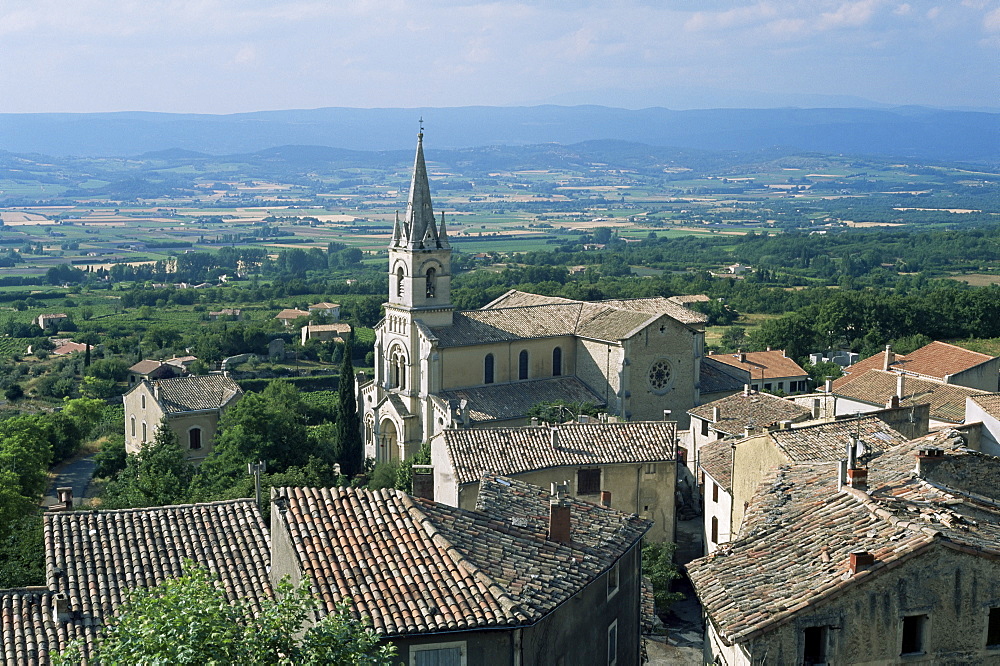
436, 368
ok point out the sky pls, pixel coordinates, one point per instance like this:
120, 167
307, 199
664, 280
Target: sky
228, 56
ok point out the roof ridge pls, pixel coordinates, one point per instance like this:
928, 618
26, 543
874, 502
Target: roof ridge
879, 511
512, 608
139, 509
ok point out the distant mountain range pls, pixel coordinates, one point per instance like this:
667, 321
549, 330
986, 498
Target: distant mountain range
904, 132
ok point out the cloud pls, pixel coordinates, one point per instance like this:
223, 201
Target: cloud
991, 22
733, 18
904, 9
848, 15
245, 55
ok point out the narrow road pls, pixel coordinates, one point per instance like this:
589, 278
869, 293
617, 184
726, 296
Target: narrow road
74, 473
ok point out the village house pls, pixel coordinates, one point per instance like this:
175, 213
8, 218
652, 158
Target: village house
938, 362
226, 313
873, 389
765, 371
438, 368
733, 415
727, 494
44, 320
325, 332
93, 559
630, 467
192, 406
890, 561
149, 370
985, 409
523, 578
328, 311
289, 315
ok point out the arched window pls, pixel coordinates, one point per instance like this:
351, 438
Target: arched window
144, 432
431, 277
522, 364
399, 282
488, 369
133, 426
397, 369
557, 362
194, 438
142, 399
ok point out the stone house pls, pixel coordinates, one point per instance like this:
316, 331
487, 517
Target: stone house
192, 406
327, 311
524, 579
150, 370
715, 477
892, 563
630, 467
937, 362
438, 368
874, 389
768, 370
93, 559
325, 332
44, 320
226, 313
289, 315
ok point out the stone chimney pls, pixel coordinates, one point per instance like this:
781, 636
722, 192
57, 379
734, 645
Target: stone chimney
857, 476
554, 437
559, 520
534, 421
606, 498
64, 499
828, 386
900, 385
741, 357
892, 402
716, 414
423, 481
156, 390
60, 608
890, 358
583, 418
860, 560
746, 389
784, 425
927, 459
666, 414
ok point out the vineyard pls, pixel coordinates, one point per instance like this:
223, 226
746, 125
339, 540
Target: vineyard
11, 346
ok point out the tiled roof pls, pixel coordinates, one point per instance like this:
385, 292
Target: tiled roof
518, 316
935, 360
719, 377
28, 632
145, 367
418, 567
757, 410
793, 550
508, 451
828, 441
95, 557
939, 359
990, 402
716, 458
323, 306
339, 328
690, 298
500, 402
773, 364
291, 313
947, 401
197, 392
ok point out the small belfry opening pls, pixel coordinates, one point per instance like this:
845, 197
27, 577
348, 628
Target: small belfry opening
430, 280
399, 282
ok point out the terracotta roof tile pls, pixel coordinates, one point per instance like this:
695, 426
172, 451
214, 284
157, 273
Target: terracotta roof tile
291, 313
773, 364
990, 402
716, 459
939, 359
757, 410
418, 567
507, 451
196, 392
877, 387
793, 550
828, 441
29, 633
499, 402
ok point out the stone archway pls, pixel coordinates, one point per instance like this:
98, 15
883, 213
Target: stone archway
388, 442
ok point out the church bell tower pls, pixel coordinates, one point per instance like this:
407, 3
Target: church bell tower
420, 255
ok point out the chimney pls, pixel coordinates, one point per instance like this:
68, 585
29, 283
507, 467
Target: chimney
666, 414
892, 402
900, 381
784, 425
583, 418
60, 607
606, 498
716, 414
746, 389
828, 386
741, 357
64, 496
534, 421
857, 478
423, 481
890, 358
156, 390
861, 560
559, 520
554, 437
928, 458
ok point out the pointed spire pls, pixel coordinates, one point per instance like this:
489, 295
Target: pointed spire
395, 232
443, 234
419, 213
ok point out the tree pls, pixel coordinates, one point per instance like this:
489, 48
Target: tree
351, 446
658, 564
159, 474
188, 620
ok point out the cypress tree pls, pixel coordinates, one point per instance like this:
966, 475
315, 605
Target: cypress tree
352, 449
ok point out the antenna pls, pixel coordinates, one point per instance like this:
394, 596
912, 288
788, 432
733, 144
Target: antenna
421, 125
